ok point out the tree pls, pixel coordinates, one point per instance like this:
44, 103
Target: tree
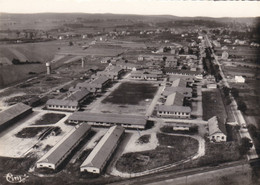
226, 90
235, 92
70, 43
241, 106
245, 145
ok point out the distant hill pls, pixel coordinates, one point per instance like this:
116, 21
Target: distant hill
47, 21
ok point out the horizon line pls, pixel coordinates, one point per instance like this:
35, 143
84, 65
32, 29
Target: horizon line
131, 14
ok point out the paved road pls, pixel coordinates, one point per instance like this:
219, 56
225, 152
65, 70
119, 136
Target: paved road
191, 176
237, 114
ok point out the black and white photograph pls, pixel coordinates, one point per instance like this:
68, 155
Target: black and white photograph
129, 92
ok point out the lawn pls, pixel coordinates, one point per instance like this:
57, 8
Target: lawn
49, 118
171, 149
217, 153
213, 105
131, 93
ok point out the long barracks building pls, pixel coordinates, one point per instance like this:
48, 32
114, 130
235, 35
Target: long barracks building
56, 155
107, 120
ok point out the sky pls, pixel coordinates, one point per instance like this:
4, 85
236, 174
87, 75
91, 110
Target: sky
144, 7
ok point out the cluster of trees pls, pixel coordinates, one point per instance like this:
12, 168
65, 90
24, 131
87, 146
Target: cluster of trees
245, 145
211, 68
18, 62
235, 93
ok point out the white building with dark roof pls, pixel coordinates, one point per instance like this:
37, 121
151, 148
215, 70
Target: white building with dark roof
174, 111
97, 159
67, 105
142, 75
107, 120
56, 155
217, 130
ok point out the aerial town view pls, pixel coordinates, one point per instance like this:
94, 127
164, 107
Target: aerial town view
131, 96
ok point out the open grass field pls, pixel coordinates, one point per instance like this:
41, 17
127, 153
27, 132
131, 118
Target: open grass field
217, 153
41, 51
212, 105
131, 93
171, 149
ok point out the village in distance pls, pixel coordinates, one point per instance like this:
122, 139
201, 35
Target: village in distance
129, 99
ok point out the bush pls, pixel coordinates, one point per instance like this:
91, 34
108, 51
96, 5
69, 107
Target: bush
241, 106
245, 146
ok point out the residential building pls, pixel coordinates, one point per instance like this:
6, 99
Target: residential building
99, 156
239, 79
67, 105
217, 130
173, 71
174, 111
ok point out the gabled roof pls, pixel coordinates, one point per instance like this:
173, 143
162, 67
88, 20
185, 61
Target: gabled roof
175, 99
177, 71
62, 148
62, 102
100, 80
12, 112
216, 126
104, 148
186, 92
78, 95
110, 118
168, 108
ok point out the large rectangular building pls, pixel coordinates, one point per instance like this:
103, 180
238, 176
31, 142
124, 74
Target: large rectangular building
107, 120
67, 105
174, 111
13, 114
97, 85
97, 159
56, 155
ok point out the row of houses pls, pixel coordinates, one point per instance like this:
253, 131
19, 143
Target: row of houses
108, 120
96, 160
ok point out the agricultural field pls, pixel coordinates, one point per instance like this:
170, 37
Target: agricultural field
171, 149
